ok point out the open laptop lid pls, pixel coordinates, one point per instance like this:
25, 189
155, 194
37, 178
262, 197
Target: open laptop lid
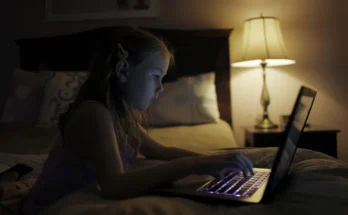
293, 131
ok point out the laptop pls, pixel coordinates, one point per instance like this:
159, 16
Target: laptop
265, 183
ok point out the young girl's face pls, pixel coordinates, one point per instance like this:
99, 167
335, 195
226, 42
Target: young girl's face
144, 82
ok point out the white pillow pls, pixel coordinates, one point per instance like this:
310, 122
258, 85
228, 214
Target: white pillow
60, 91
187, 101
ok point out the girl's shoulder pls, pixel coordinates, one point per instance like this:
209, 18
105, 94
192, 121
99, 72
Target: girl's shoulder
85, 122
89, 114
90, 108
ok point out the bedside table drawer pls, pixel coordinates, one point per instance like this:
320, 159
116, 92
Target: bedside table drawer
322, 142
264, 140
313, 138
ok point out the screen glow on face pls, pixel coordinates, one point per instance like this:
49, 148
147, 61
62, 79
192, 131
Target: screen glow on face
145, 80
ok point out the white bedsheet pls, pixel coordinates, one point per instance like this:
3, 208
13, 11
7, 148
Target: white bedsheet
200, 138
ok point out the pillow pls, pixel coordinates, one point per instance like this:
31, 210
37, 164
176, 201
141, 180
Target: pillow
60, 91
25, 97
187, 101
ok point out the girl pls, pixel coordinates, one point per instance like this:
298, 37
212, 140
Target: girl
100, 134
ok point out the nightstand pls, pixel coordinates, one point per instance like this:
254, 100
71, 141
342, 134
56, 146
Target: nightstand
316, 138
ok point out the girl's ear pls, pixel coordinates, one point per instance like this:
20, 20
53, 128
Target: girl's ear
122, 71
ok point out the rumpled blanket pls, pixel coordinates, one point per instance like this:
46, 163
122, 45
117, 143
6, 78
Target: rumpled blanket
317, 184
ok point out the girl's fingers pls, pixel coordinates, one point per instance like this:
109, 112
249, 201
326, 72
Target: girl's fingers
218, 175
250, 165
247, 163
232, 162
233, 169
237, 164
239, 160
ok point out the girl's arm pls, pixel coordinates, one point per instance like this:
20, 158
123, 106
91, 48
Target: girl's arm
90, 131
141, 181
151, 149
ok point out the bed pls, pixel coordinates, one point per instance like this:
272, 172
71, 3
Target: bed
317, 183
201, 57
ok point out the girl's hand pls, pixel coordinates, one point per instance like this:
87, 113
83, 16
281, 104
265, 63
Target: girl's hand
216, 165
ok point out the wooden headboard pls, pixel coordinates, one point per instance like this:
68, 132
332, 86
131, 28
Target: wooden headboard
196, 52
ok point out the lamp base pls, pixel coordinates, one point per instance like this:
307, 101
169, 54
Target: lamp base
266, 123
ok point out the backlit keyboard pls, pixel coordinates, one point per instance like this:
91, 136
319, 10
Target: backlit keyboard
236, 184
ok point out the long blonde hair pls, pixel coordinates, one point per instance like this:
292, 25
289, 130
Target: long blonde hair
102, 86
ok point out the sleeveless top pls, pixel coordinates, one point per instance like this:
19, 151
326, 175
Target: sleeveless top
64, 173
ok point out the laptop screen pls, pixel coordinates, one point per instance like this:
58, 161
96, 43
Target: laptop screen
295, 127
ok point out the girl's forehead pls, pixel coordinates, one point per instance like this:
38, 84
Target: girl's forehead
156, 59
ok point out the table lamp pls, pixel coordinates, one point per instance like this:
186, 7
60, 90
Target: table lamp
263, 46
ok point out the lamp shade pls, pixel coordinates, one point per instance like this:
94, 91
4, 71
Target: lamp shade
263, 43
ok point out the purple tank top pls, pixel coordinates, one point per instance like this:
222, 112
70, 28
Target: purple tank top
62, 174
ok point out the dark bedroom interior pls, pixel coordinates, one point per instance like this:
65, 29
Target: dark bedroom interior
253, 84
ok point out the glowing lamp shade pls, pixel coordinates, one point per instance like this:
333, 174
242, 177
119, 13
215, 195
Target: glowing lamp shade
263, 46
263, 43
